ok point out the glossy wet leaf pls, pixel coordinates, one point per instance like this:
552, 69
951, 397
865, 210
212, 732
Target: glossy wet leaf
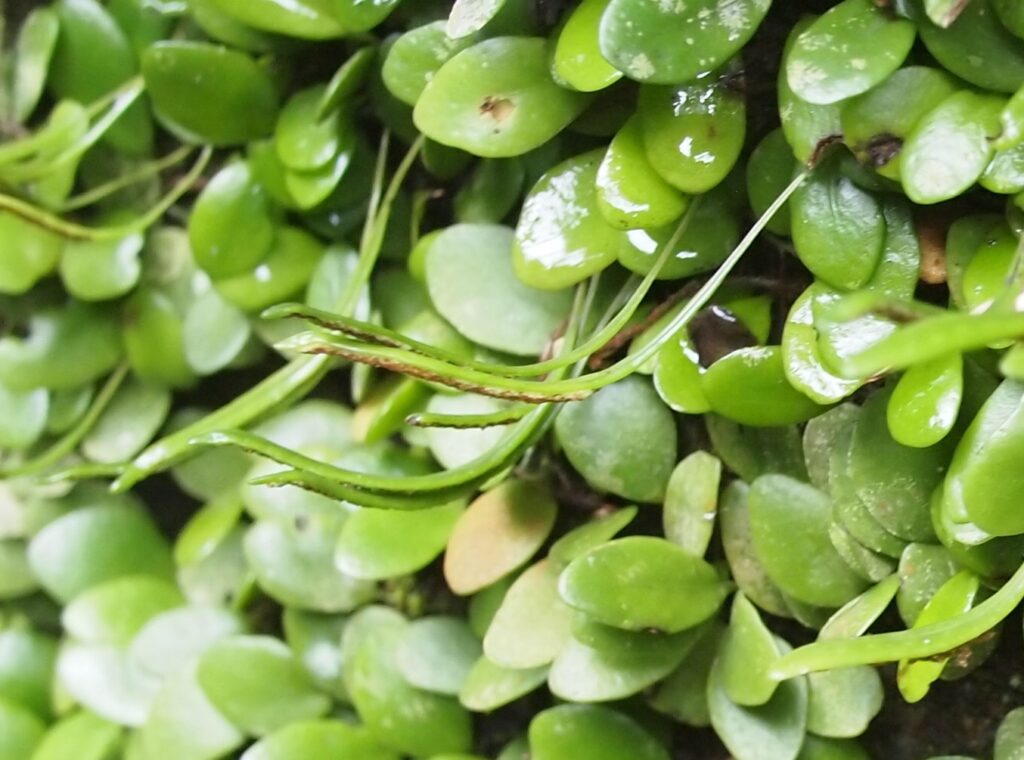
925, 402
789, 522
209, 93
468, 16
693, 134
682, 590
677, 376
847, 51
749, 386
531, 626
876, 123
303, 140
308, 19
294, 563
257, 684
630, 413
774, 729
231, 227
748, 649
963, 125
400, 716
561, 238
804, 366
710, 235
979, 484
574, 732
470, 274
807, 126
414, 58
691, 502
577, 60
95, 544
669, 43
838, 228
377, 544
214, 333
437, 653
309, 738
496, 99
976, 47
630, 194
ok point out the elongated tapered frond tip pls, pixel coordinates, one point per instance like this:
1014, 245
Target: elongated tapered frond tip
282, 310
414, 420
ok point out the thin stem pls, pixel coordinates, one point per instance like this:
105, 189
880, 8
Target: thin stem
375, 334
145, 171
75, 231
283, 388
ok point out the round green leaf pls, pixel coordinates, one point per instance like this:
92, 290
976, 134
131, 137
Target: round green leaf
532, 624
231, 227
676, 42
578, 732
622, 439
577, 59
257, 684
561, 239
496, 99
640, 583
378, 544
133, 417
172, 640
774, 729
299, 741
20, 731
499, 532
871, 42
789, 522
472, 284
691, 501
950, 147
693, 133
88, 546
293, 561
113, 612
437, 653
489, 686
209, 93
749, 386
